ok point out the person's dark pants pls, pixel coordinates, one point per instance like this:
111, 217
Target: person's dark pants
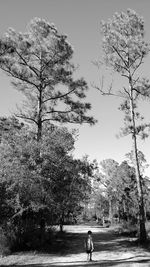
89, 255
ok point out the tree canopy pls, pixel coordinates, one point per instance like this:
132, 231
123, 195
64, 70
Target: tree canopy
39, 62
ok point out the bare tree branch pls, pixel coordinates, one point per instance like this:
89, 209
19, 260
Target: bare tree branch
121, 58
140, 62
19, 78
135, 81
107, 93
127, 92
26, 118
58, 111
60, 96
26, 64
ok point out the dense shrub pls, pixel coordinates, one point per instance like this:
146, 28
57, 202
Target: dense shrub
4, 244
128, 229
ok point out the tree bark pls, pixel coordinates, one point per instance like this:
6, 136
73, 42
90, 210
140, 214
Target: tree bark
142, 230
39, 132
61, 223
110, 211
39, 123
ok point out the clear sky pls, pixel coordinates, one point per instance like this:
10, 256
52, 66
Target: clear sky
80, 20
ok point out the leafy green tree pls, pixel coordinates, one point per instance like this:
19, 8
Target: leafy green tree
126, 192
124, 50
71, 188
39, 63
106, 178
119, 188
145, 180
8, 126
26, 179
40, 189
101, 204
142, 161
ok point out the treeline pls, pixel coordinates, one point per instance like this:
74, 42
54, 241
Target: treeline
114, 198
41, 184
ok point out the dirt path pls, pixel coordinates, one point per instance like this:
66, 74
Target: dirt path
110, 250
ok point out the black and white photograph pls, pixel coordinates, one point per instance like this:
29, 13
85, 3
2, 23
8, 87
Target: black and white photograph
75, 133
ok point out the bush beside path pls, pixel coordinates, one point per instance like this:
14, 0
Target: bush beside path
109, 250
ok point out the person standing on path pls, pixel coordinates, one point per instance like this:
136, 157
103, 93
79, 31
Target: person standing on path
89, 246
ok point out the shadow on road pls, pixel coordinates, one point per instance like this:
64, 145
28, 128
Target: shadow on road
71, 246
105, 263
73, 243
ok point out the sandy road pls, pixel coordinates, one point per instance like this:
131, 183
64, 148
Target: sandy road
109, 250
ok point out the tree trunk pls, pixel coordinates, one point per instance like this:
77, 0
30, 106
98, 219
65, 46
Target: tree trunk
110, 211
39, 132
142, 229
61, 227
61, 223
118, 210
42, 230
39, 122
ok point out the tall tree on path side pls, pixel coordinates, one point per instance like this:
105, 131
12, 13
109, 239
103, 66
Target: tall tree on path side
39, 63
106, 177
124, 50
26, 188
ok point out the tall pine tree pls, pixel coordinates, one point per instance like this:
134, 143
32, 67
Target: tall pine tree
124, 50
